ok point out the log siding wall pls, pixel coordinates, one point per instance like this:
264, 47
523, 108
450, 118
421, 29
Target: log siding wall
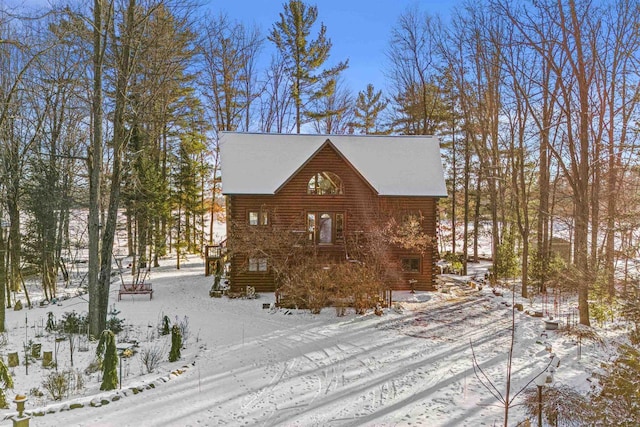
362, 209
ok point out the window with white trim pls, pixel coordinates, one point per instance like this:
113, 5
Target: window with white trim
257, 264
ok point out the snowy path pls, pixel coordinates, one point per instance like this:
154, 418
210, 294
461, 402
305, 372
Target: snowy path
254, 368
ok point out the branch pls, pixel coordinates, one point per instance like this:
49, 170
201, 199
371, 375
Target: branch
490, 387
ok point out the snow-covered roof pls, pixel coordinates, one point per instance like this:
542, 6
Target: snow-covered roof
254, 163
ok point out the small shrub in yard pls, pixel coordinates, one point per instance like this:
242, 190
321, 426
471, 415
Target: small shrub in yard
59, 384
151, 355
56, 384
165, 328
184, 328
36, 392
93, 367
72, 323
114, 323
176, 344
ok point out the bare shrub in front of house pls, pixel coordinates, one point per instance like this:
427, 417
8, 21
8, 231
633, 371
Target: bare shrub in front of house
307, 279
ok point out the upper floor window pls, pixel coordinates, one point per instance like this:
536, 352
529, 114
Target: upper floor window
325, 183
259, 217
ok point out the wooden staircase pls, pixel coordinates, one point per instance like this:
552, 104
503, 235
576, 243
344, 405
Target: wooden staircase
212, 253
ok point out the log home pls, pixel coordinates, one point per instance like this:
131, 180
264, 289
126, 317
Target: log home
331, 189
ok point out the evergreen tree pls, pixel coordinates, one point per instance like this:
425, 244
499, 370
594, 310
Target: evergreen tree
369, 105
619, 399
108, 353
166, 329
6, 382
303, 57
162, 96
176, 343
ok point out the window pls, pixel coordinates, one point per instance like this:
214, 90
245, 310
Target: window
325, 228
253, 218
325, 183
260, 217
311, 226
257, 264
339, 227
411, 265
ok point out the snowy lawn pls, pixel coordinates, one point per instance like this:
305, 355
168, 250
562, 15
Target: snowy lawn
245, 365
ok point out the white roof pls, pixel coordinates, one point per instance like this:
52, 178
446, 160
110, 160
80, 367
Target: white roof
254, 163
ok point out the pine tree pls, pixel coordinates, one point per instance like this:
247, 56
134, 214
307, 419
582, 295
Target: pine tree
369, 105
176, 344
303, 57
166, 328
108, 353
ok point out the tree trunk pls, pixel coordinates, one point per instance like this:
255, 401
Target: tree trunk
3, 277
95, 166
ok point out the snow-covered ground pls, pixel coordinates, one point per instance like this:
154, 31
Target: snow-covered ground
247, 365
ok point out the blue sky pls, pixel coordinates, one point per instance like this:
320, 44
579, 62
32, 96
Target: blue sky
359, 29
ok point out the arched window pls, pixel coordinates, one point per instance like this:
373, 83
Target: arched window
325, 183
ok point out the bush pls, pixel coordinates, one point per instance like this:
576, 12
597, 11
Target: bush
35, 392
165, 327
59, 384
619, 399
151, 355
561, 405
539, 272
455, 260
184, 328
115, 324
342, 285
56, 384
72, 323
93, 367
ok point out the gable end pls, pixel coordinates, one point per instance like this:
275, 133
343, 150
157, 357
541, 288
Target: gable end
330, 145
